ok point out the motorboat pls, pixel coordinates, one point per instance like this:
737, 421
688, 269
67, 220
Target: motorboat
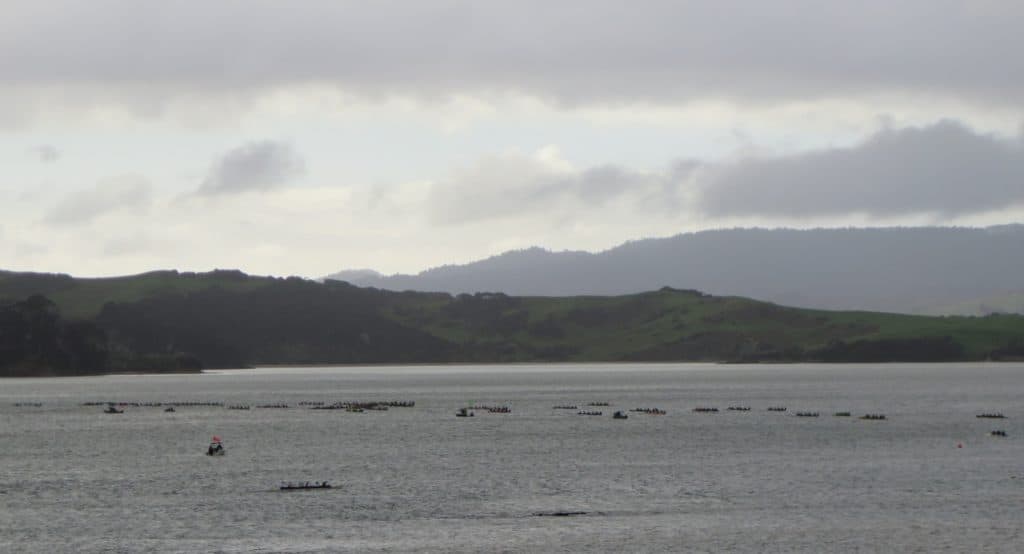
464, 412
216, 447
112, 410
620, 415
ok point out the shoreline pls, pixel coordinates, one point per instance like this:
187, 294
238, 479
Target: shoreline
383, 365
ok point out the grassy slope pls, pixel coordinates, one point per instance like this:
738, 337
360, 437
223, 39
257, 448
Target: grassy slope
84, 298
627, 326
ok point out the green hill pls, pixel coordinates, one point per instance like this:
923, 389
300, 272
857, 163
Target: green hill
672, 324
181, 321
84, 298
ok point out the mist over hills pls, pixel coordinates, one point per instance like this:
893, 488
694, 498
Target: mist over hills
927, 270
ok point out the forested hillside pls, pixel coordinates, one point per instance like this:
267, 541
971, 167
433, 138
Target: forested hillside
167, 321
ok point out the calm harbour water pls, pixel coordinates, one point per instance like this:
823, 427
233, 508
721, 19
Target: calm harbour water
73, 479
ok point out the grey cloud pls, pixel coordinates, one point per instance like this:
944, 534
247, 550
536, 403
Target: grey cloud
47, 153
571, 51
599, 184
497, 186
944, 169
255, 166
126, 192
512, 185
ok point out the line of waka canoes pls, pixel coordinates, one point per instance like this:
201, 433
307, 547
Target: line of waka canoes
471, 410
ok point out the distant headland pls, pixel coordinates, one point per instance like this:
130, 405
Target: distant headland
169, 321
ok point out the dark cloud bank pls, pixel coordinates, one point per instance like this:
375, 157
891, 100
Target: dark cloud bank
574, 50
942, 171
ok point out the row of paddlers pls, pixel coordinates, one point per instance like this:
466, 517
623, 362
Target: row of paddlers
364, 404
370, 405
713, 410
191, 404
492, 409
649, 411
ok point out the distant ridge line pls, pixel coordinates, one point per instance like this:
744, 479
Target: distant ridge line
926, 270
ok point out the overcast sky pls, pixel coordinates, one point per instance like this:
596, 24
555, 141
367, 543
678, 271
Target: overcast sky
305, 137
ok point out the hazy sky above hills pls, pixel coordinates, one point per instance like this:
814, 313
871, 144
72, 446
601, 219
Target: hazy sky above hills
307, 137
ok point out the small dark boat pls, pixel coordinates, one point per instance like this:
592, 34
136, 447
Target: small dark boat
171, 409
777, 409
112, 410
464, 412
841, 414
306, 486
991, 416
620, 415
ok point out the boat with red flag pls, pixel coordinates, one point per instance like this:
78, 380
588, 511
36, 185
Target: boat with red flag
216, 447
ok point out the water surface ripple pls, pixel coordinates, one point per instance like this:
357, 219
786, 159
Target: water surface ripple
928, 478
